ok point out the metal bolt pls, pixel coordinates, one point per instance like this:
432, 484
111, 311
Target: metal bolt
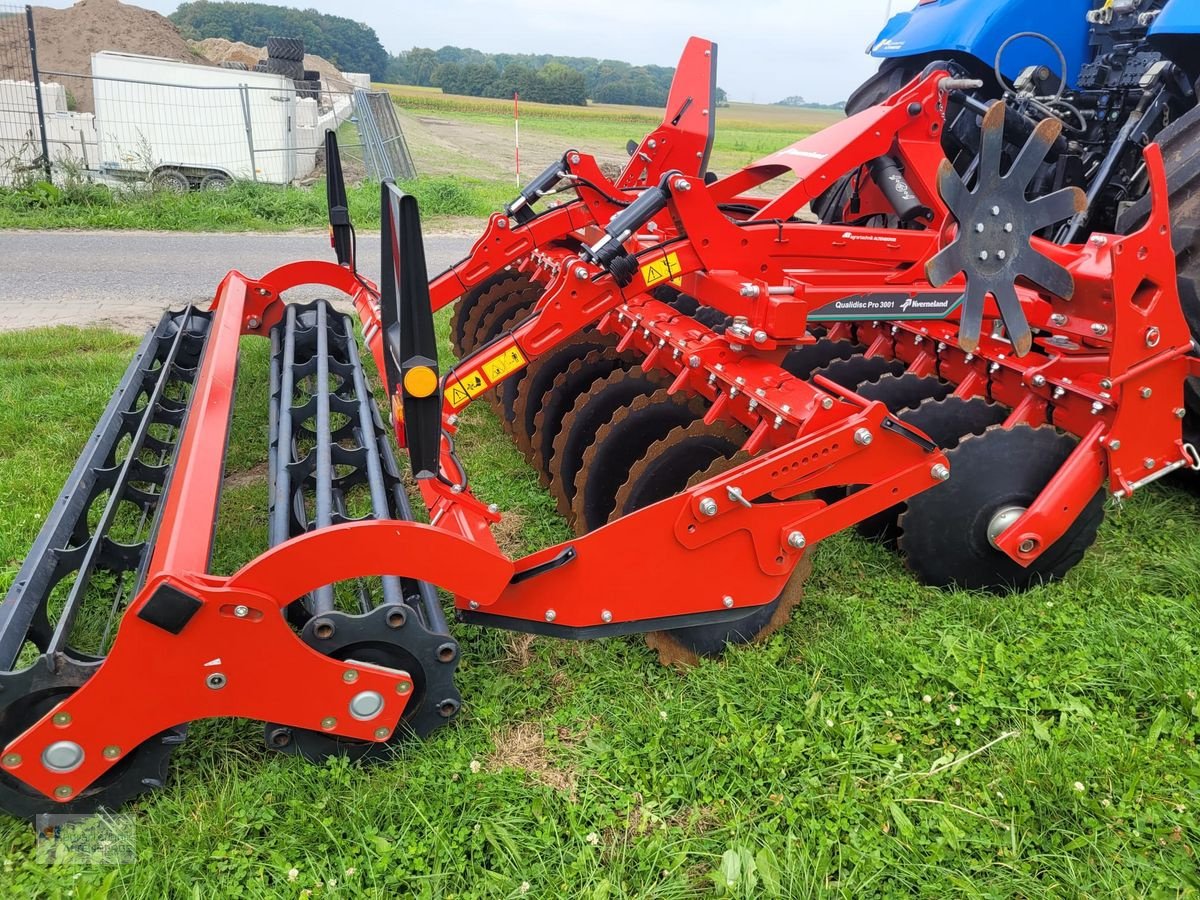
693, 362
979, 228
826, 403
1038, 380
1146, 393
1097, 408
940, 472
1059, 393
581, 273
551, 615
797, 541
493, 508
403, 687
727, 601
63, 791
474, 604
1099, 329
605, 616
1058, 319
241, 611
350, 676
863, 437
62, 719
329, 723
12, 759
112, 751
1099, 240
682, 186
1148, 463
452, 420
216, 681
63, 756
652, 143
366, 705
1001, 254
253, 323
502, 222
708, 507
760, 337
1180, 413
1106, 384
749, 290
1008, 227
1153, 336
785, 408
382, 733
1114, 445
995, 210
1027, 545
574, 159
983, 255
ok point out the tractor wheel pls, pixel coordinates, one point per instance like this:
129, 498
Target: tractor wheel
539, 377
688, 456
946, 532
568, 386
579, 426
892, 75
286, 48
1180, 143
620, 442
946, 421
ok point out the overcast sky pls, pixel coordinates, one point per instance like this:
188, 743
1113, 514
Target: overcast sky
769, 49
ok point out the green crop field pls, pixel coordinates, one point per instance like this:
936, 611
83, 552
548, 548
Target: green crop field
892, 741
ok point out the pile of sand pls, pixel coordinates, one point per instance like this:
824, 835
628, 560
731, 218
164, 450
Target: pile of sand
219, 50
67, 38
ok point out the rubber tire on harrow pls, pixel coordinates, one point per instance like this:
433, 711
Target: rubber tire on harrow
539, 378
946, 422
686, 646
568, 386
579, 426
943, 532
1180, 143
291, 49
620, 442
465, 320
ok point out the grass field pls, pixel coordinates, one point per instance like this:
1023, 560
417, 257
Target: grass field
463, 151
892, 741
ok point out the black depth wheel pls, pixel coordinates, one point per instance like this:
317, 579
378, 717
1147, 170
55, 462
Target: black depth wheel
946, 532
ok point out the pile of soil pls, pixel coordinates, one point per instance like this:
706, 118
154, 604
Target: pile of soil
219, 50
67, 38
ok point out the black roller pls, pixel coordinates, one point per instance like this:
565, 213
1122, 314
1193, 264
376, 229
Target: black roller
803, 361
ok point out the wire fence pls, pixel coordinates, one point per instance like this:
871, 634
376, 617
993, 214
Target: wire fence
181, 126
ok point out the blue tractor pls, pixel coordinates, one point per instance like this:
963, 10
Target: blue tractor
1118, 74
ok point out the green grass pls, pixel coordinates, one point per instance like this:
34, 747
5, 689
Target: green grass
892, 741
243, 207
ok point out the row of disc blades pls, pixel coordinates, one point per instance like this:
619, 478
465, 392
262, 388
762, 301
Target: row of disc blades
607, 438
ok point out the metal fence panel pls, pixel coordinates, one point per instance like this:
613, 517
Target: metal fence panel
23, 144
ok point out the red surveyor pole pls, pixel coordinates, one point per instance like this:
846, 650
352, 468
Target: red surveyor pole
517, 132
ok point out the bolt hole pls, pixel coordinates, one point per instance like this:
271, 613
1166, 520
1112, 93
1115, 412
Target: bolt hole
323, 629
447, 708
280, 737
447, 652
396, 618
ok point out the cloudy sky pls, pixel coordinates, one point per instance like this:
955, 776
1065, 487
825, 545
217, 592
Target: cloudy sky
769, 49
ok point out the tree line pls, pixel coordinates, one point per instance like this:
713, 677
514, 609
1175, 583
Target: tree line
541, 77
349, 45
355, 47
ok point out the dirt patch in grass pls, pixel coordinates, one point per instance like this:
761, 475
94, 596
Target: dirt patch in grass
246, 477
523, 747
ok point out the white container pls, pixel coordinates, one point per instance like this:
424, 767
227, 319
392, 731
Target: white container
158, 114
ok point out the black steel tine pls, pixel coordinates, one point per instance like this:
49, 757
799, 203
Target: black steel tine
1033, 154
971, 323
943, 267
1056, 207
1014, 318
952, 189
991, 148
1047, 274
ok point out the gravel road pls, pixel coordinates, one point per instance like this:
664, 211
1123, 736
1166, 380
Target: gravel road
125, 279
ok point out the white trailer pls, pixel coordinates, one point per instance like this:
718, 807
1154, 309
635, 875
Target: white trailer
187, 126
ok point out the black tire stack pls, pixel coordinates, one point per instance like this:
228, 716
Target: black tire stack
310, 85
285, 56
